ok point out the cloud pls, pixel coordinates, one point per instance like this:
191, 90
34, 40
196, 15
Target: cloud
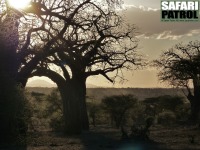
146, 3
150, 26
168, 35
125, 6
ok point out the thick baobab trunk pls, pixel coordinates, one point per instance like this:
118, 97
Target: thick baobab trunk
73, 93
195, 110
11, 109
76, 118
195, 102
8, 61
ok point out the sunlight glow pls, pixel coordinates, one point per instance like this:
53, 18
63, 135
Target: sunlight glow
19, 4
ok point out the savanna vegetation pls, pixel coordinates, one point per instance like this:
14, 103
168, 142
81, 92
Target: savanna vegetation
119, 118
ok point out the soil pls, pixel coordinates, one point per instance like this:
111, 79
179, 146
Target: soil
107, 138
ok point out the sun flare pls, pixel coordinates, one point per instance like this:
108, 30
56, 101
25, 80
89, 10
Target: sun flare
19, 4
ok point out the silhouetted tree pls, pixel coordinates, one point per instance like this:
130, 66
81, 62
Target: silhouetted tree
179, 66
83, 38
102, 43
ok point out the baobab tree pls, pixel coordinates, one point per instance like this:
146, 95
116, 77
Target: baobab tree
83, 39
180, 67
104, 45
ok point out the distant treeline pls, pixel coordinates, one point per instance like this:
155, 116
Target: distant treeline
98, 93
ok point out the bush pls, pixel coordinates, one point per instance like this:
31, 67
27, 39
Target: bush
118, 107
166, 118
183, 112
57, 123
166, 102
94, 111
138, 114
141, 131
54, 110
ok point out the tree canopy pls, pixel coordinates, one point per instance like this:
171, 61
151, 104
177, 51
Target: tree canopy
180, 64
180, 67
62, 32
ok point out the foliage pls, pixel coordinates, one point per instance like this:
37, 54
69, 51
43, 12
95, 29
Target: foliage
142, 121
166, 118
141, 131
183, 112
179, 64
118, 107
37, 94
54, 110
165, 102
47, 111
138, 113
94, 111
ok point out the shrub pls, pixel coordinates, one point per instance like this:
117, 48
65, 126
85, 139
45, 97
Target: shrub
166, 102
118, 107
183, 112
54, 110
94, 111
138, 114
142, 121
37, 94
57, 123
141, 131
166, 118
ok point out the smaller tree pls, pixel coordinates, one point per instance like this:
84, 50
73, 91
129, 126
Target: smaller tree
179, 66
118, 107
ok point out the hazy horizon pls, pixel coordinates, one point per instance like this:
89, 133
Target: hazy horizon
44, 82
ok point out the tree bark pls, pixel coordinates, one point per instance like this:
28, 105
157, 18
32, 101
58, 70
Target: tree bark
8, 60
195, 102
11, 116
73, 92
76, 118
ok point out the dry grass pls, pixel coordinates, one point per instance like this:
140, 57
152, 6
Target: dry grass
107, 138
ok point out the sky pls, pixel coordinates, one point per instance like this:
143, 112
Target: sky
154, 38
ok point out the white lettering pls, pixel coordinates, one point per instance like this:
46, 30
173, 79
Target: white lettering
172, 6
164, 5
183, 6
196, 6
180, 5
190, 6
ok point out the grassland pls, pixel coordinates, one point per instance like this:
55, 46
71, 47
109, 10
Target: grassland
104, 137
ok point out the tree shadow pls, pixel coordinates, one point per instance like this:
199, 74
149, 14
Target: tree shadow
94, 140
98, 138
14, 147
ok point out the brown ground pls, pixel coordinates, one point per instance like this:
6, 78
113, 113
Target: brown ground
105, 138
